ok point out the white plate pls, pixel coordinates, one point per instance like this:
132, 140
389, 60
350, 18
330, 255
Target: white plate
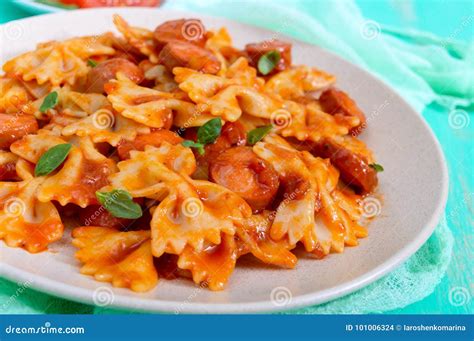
414, 187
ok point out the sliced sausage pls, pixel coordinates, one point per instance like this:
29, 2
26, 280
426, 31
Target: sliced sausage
8, 171
243, 172
187, 30
334, 101
354, 168
232, 134
178, 53
256, 50
14, 127
155, 138
104, 72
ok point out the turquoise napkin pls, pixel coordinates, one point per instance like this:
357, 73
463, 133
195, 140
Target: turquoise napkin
423, 68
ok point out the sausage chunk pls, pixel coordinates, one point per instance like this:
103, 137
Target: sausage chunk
243, 172
334, 101
14, 127
104, 72
187, 30
8, 172
232, 134
256, 50
354, 168
155, 138
178, 53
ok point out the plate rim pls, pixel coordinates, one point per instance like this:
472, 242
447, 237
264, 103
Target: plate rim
83, 295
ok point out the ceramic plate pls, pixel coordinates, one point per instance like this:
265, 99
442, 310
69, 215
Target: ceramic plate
414, 188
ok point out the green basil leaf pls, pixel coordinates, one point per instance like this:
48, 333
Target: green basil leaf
192, 144
120, 204
268, 62
52, 159
91, 63
257, 134
377, 167
49, 101
210, 131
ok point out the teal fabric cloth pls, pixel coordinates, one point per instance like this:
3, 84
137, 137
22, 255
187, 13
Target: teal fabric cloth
421, 67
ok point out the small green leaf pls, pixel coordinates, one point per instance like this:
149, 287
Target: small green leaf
268, 62
120, 204
49, 102
91, 63
377, 167
210, 131
52, 159
257, 134
192, 144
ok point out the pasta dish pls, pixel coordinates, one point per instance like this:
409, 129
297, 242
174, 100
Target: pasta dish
171, 153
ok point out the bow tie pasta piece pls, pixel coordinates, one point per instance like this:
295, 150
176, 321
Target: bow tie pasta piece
139, 38
70, 103
84, 172
307, 122
338, 212
146, 172
201, 87
212, 266
333, 214
163, 79
121, 258
24, 220
105, 126
13, 96
194, 213
59, 62
143, 105
296, 82
295, 214
254, 237
31, 147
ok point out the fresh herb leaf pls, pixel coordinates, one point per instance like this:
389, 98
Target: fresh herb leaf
257, 134
377, 167
120, 204
49, 101
210, 131
268, 62
91, 63
52, 159
192, 144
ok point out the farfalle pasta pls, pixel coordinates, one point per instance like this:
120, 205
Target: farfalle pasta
171, 151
